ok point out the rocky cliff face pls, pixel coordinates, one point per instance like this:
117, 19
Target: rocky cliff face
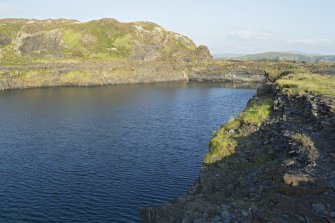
32, 44
279, 169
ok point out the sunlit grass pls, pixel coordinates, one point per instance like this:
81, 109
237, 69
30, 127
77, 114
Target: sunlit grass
306, 82
223, 143
276, 70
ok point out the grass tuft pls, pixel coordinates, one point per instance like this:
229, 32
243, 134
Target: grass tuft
306, 82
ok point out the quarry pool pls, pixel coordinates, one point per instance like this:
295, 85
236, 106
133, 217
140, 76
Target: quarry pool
98, 154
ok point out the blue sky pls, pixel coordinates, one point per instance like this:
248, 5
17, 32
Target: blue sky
226, 26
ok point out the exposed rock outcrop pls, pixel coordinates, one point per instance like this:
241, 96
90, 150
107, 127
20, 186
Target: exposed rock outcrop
203, 54
49, 42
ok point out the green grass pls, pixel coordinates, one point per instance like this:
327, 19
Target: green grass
306, 82
72, 38
77, 77
223, 143
257, 110
276, 70
10, 58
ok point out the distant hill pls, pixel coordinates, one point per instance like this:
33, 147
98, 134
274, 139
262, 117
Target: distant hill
288, 56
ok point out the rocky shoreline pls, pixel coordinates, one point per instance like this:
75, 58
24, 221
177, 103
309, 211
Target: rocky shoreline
117, 72
283, 169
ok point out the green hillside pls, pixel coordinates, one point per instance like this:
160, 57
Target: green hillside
25, 41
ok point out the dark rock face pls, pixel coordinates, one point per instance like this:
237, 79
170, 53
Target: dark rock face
283, 170
47, 41
232, 76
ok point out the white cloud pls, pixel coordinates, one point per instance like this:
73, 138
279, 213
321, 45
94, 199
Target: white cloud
249, 35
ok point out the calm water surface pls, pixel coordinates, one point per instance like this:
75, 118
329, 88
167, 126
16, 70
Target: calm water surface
99, 154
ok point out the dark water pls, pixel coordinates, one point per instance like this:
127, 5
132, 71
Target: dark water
99, 154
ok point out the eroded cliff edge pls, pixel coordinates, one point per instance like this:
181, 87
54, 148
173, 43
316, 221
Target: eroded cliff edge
273, 163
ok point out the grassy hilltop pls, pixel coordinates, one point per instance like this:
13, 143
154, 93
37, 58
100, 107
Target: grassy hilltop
25, 41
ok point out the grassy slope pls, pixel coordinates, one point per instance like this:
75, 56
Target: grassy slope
305, 82
290, 79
